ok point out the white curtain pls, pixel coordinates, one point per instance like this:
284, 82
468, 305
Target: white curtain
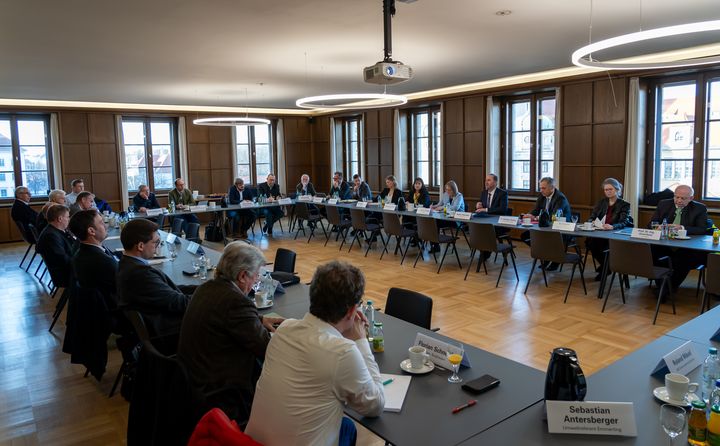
400, 166
55, 150
492, 139
182, 148
333, 150
281, 170
558, 120
635, 154
123, 167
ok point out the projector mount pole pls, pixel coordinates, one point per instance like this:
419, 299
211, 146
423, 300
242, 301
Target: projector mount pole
388, 13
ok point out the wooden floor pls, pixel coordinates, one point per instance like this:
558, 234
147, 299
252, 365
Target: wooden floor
45, 400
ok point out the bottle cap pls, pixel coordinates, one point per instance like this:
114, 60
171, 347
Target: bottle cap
716, 409
717, 383
699, 404
378, 324
712, 351
369, 302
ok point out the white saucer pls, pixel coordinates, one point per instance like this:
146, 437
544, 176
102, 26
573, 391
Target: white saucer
661, 394
682, 238
427, 368
586, 229
269, 305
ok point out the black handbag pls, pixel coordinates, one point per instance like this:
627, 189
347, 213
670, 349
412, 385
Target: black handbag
544, 220
213, 233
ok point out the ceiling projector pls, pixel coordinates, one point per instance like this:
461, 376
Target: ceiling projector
387, 73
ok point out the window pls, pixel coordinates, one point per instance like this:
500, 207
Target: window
150, 142
25, 158
674, 129
352, 143
712, 140
253, 153
425, 140
529, 123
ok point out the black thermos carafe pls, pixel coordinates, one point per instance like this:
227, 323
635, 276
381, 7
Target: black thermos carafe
565, 380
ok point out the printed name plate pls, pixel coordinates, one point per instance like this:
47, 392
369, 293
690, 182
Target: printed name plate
318, 199
247, 204
390, 207
683, 360
332, 201
438, 351
647, 234
202, 208
423, 211
361, 204
285, 201
155, 212
504, 220
591, 418
563, 226
170, 238
463, 215
305, 198
193, 247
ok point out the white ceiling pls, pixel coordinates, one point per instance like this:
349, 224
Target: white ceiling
190, 52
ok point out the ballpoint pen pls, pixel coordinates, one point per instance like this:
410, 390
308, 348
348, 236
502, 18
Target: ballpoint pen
387, 381
464, 406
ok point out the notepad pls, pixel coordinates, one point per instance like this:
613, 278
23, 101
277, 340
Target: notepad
395, 391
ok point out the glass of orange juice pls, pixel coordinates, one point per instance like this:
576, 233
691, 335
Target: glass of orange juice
455, 358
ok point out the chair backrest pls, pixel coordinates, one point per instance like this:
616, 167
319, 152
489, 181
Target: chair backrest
409, 306
483, 237
161, 220
391, 224
547, 246
284, 260
632, 258
33, 231
177, 225
138, 324
427, 229
193, 232
712, 274
301, 211
333, 215
24, 233
358, 219
509, 211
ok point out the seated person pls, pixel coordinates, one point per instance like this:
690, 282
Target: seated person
242, 219
340, 187
360, 190
391, 193
93, 264
299, 399
419, 195
271, 191
144, 199
21, 211
56, 246
614, 213
453, 201
183, 199
223, 338
144, 288
493, 200
305, 187
54, 197
681, 212
85, 201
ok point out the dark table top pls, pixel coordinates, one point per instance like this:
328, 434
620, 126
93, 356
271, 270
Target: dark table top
699, 329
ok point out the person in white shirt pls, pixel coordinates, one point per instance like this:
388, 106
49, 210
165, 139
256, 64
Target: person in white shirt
316, 366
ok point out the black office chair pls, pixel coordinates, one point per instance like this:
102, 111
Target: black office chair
712, 280
284, 261
339, 221
393, 228
303, 214
360, 225
428, 233
193, 233
484, 239
410, 306
30, 240
177, 225
548, 246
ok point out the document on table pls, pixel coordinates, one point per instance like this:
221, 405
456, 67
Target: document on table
157, 261
395, 391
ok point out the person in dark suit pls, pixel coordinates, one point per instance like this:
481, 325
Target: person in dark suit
305, 187
419, 195
242, 219
144, 199
93, 264
223, 337
681, 212
146, 289
54, 197
493, 200
21, 211
360, 189
56, 246
614, 213
340, 187
271, 190
85, 200
392, 192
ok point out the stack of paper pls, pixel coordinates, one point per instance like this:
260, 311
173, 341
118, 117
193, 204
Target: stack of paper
395, 391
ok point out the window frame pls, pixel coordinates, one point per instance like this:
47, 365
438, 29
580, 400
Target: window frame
347, 159
175, 146
434, 153
15, 148
252, 152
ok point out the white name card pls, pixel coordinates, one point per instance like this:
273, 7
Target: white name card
170, 238
647, 234
423, 211
597, 223
247, 204
155, 212
192, 247
390, 207
196, 192
202, 208
463, 215
563, 226
682, 360
284, 201
332, 200
361, 204
305, 198
438, 351
591, 418
318, 199
505, 220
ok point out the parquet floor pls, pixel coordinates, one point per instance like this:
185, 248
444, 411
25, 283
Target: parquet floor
45, 400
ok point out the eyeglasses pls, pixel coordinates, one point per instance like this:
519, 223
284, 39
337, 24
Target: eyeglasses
156, 242
682, 198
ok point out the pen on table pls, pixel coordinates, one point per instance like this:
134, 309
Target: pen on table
387, 381
464, 406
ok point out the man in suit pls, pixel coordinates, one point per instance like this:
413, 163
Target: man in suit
340, 187
21, 211
144, 199
271, 191
183, 199
56, 245
242, 219
681, 212
93, 264
305, 187
360, 189
85, 201
146, 289
493, 200
76, 186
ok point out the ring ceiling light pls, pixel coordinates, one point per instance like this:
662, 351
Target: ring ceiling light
231, 121
580, 56
353, 100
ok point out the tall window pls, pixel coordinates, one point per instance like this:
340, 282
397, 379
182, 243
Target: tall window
253, 152
425, 140
352, 143
25, 157
150, 153
712, 151
530, 140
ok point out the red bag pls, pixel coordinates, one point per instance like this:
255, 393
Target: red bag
216, 429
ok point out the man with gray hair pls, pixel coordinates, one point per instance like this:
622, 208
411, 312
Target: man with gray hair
84, 202
223, 338
21, 211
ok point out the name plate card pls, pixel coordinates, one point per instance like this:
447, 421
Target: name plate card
591, 418
505, 220
361, 204
170, 238
423, 211
155, 212
305, 198
563, 226
463, 215
682, 360
247, 204
318, 199
390, 207
200, 208
438, 351
193, 248
647, 234
284, 201
332, 201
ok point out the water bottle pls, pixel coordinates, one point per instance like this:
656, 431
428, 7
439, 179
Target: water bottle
664, 229
558, 215
172, 206
202, 272
715, 395
711, 373
369, 312
378, 340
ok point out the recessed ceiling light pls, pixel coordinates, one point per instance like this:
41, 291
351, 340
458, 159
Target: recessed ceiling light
503, 12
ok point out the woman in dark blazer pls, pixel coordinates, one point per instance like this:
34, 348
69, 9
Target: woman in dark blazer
419, 194
614, 213
392, 192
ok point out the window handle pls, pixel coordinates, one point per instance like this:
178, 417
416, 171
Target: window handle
697, 140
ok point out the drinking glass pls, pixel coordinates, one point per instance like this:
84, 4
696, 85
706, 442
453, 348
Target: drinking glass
673, 420
196, 266
455, 359
654, 225
171, 249
574, 218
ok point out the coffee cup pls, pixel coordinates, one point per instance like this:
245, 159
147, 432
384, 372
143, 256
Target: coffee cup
682, 233
678, 386
261, 299
527, 221
211, 204
418, 356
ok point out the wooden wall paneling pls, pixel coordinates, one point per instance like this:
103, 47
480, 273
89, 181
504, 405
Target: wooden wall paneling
198, 156
385, 171
577, 145
474, 183
575, 185
221, 180
372, 178
321, 129
372, 124
577, 103
220, 155
73, 127
453, 149
6, 223
609, 101
106, 186
609, 144
386, 152
452, 172
372, 154
104, 158
453, 116
75, 158
220, 135
101, 128
385, 123
474, 148
201, 179
475, 114
196, 133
